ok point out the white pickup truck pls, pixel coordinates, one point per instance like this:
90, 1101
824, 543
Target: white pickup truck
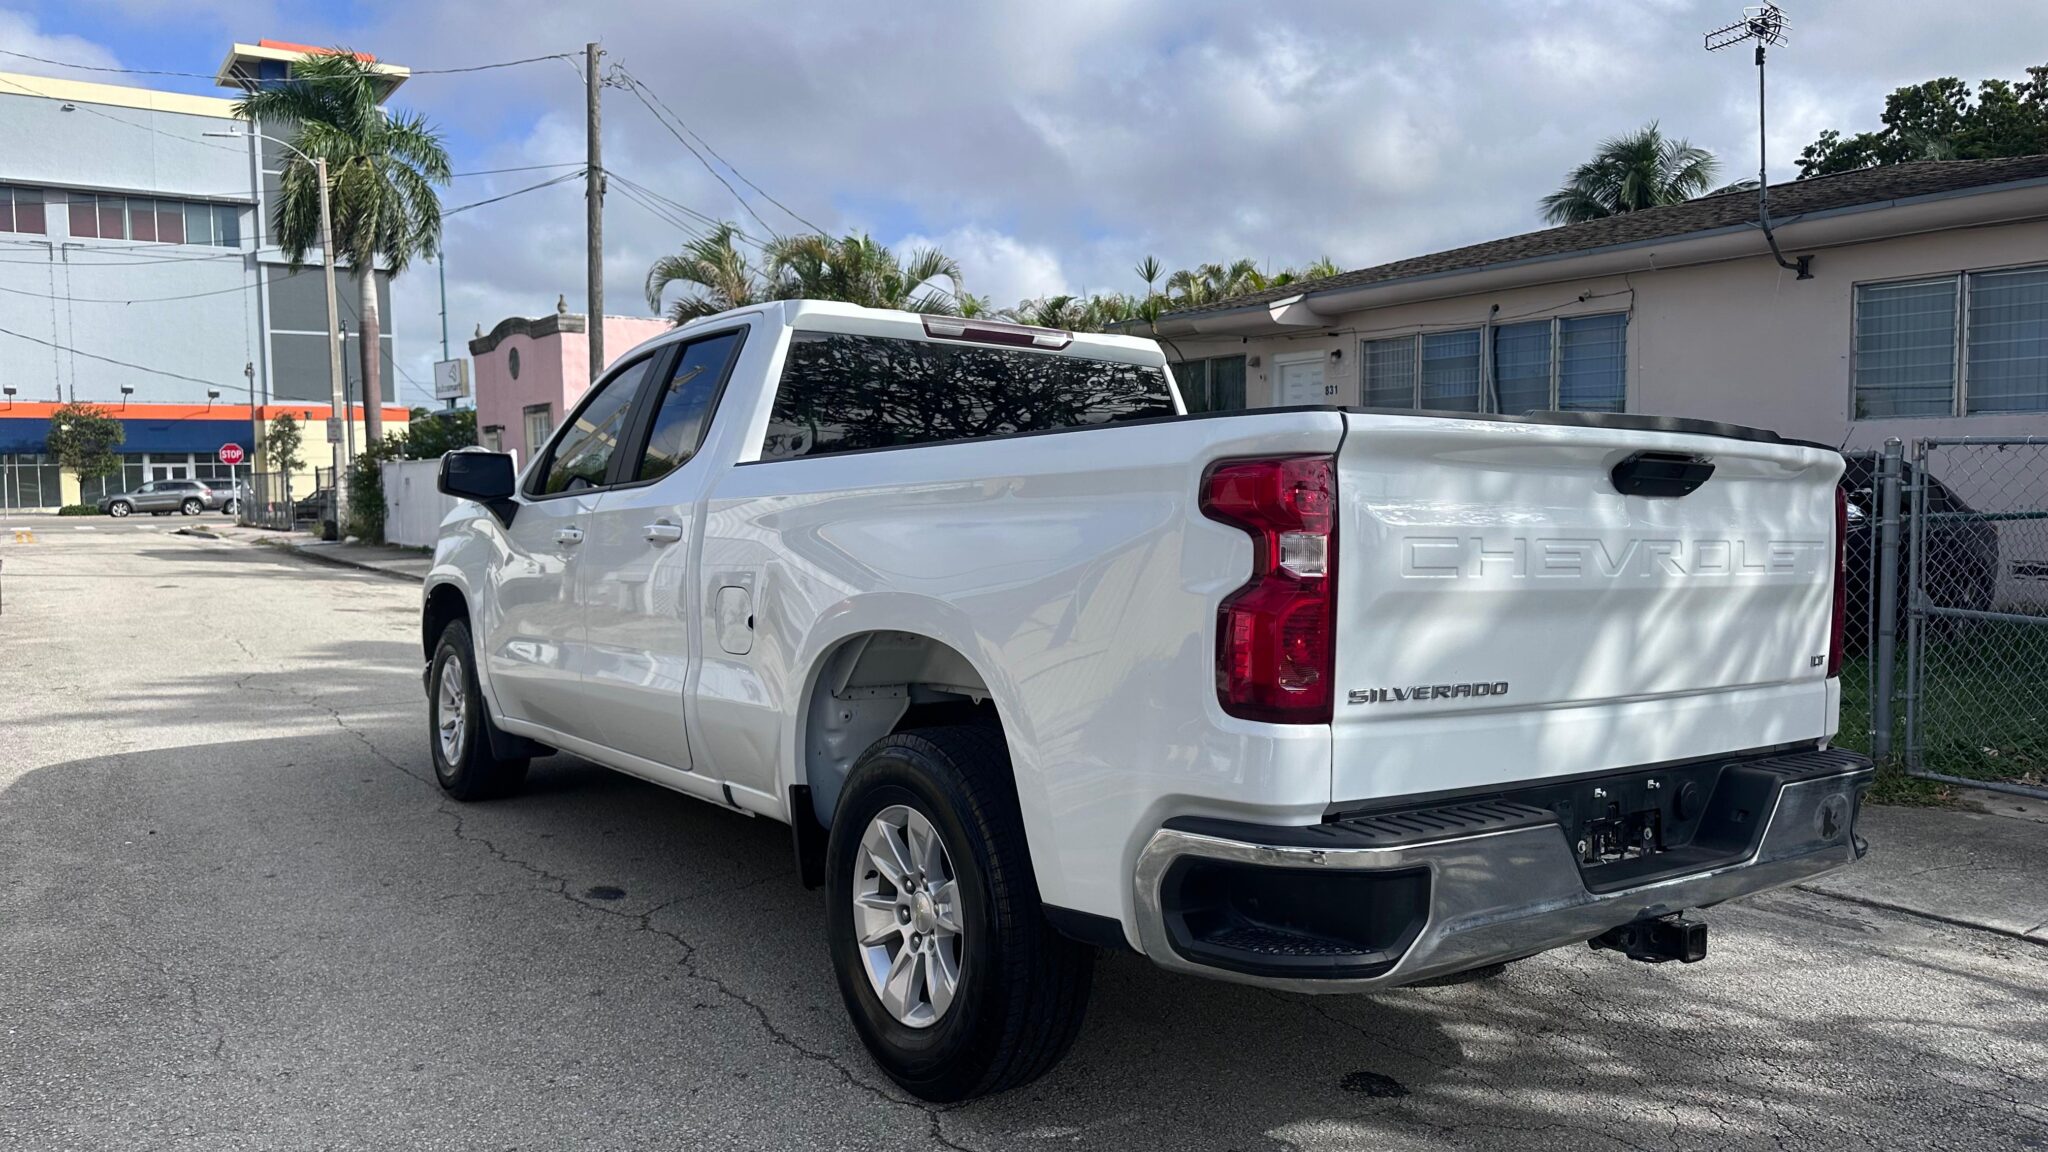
1034, 663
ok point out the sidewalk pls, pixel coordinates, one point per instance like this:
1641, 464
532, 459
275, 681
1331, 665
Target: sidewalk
390, 560
1982, 865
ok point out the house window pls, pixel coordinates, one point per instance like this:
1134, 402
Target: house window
540, 421
105, 217
21, 210
1212, 385
1957, 345
1390, 372
1450, 371
1564, 364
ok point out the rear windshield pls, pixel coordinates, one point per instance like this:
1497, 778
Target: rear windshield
843, 393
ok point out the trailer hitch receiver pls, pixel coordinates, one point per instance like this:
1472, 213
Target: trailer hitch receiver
1656, 940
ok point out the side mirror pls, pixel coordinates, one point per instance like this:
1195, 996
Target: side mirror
485, 477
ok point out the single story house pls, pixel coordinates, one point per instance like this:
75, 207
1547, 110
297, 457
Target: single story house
1925, 314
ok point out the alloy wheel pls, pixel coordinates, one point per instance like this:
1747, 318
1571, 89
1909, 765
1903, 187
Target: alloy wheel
907, 916
451, 710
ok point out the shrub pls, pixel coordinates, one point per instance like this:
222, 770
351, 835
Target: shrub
80, 510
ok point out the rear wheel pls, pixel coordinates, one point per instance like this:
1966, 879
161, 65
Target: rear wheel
953, 977
464, 764
119, 508
192, 506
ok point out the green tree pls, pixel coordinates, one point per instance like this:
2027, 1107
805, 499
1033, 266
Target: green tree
282, 446
83, 437
435, 432
853, 268
719, 274
382, 168
1628, 173
1938, 120
857, 270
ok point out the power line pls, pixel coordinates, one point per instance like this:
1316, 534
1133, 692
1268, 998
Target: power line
107, 359
488, 67
137, 300
563, 178
88, 108
211, 76
663, 206
634, 86
722, 160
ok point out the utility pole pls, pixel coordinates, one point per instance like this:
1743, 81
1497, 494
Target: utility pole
593, 194
442, 262
334, 341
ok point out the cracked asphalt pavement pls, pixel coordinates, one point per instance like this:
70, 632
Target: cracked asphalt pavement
235, 913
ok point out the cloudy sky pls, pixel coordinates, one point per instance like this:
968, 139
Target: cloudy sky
1050, 145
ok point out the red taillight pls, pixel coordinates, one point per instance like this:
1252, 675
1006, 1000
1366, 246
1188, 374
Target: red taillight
1275, 637
1841, 617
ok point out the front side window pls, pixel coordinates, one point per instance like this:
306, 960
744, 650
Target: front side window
686, 402
843, 393
583, 455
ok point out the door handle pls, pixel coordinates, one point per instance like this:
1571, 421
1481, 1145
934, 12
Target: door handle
662, 532
569, 536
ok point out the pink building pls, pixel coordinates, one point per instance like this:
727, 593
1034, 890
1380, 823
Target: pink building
529, 374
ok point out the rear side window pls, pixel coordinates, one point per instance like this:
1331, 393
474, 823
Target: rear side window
842, 393
686, 402
583, 453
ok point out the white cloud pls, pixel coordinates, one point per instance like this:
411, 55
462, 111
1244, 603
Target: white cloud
18, 34
995, 265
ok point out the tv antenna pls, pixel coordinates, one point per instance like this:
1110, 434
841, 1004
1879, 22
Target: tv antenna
1766, 24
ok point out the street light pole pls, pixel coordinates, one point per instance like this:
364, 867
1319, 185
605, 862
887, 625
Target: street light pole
339, 402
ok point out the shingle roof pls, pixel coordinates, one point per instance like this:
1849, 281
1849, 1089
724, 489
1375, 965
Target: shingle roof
1788, 200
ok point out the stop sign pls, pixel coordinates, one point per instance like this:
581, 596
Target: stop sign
231, 453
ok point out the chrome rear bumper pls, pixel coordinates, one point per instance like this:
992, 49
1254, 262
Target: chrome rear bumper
1502, 895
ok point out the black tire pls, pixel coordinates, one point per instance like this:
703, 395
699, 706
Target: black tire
474, 773
119, 509
231, 507
1023, 987
192, 506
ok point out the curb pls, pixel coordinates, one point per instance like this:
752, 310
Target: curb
333, 561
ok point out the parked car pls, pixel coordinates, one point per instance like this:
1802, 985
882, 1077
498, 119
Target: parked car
313, 506
1959, 567
163, 497
1033, 664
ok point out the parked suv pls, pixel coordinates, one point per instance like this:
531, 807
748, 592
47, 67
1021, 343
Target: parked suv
1035, 663
163, 497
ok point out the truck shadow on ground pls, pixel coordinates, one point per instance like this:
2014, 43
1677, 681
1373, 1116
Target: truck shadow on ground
281, 870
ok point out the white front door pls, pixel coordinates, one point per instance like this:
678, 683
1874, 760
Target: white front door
638, 615
1299, 381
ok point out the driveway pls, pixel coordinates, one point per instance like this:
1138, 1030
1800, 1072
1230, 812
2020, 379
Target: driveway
236, 913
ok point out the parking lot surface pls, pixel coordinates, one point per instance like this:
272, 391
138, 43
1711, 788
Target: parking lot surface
236, 913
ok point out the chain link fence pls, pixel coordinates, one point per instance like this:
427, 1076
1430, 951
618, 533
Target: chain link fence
1974, 568
272, 502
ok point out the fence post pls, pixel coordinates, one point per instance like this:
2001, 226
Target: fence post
1888, 469
1916, 492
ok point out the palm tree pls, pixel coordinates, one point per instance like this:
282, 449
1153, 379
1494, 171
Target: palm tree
381, 171
714, 265
1642, 169
857, 270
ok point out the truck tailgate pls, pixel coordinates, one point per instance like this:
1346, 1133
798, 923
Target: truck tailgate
1505, 613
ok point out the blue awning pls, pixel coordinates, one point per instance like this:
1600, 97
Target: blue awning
144, 434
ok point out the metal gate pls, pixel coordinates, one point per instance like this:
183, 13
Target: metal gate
1968, 552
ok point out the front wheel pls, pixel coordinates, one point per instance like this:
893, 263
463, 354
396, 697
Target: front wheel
119, 508
464, 764
232, 507
954, 979
192, 506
